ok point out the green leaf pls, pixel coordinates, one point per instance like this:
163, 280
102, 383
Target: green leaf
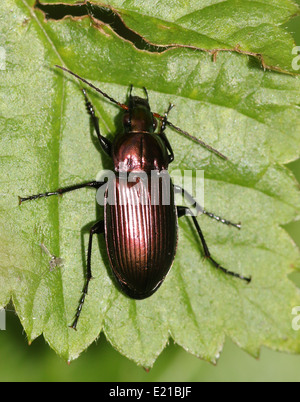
244, 26
250, 115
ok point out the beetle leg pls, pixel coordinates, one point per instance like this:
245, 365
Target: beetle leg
165, 118
96, 229
60, 191
199, 209
183, 211
104, 142
163, 135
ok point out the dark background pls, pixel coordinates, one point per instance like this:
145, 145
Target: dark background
20, 362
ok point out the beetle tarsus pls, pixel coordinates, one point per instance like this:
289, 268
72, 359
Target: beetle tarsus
61, 191
201, 210
185, 211
74, 326
227, 272
96, 229
222, 220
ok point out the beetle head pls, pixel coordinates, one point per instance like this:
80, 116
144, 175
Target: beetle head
139, 117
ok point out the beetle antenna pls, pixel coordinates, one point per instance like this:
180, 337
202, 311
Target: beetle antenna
125, 107
191, 137
94, 87
202, 143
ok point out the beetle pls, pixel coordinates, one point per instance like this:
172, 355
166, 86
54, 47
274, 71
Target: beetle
141, 238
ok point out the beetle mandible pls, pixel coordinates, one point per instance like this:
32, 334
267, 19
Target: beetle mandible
141, 237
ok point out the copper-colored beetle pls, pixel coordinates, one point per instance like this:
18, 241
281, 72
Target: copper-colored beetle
141, 236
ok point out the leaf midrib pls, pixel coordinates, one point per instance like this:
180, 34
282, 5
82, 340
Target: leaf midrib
59, 153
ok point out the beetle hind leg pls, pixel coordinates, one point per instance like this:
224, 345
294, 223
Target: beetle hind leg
184, 211
96, 229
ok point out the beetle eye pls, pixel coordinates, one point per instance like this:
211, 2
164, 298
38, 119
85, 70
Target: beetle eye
154, 123
126, 120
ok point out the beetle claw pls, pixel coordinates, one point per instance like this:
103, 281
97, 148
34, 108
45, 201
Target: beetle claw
73, 326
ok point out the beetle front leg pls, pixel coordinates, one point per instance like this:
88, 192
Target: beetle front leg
185, 211
163, 134
199, 209
96, 229
104, 142
60, 191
